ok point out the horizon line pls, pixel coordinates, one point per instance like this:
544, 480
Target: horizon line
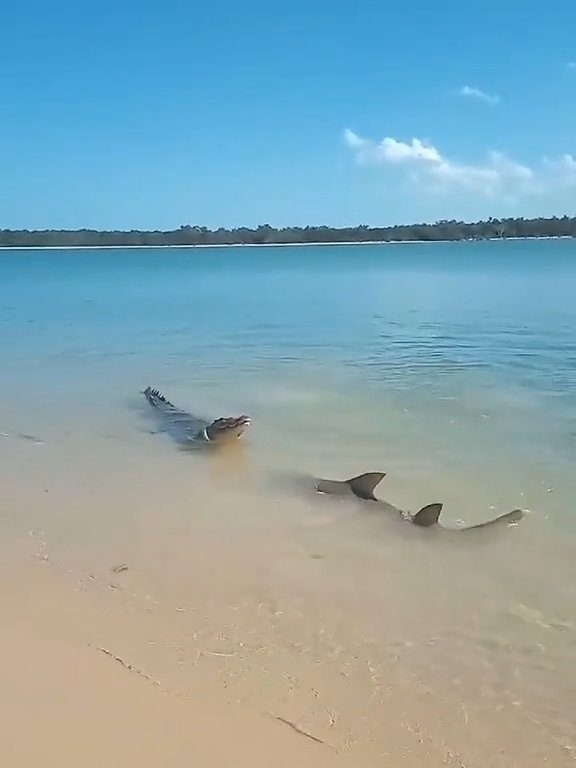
369, 227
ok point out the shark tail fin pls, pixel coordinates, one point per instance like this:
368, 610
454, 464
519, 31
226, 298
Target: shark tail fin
428, 515
509, 518
514, 517
363, 486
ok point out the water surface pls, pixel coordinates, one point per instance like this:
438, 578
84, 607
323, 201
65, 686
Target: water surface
452, 367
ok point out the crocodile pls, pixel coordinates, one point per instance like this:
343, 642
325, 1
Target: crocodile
362, 487
192, 431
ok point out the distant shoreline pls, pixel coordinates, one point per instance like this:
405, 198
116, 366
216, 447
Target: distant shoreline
266, 236
273, 245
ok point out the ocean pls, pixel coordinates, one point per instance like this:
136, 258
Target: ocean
449, 366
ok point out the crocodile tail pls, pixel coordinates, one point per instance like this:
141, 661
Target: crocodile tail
156, 398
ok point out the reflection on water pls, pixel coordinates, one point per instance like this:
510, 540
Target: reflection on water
451, 368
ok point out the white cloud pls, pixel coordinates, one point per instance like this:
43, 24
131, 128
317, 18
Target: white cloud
428, 166
398, 151
571, 65
561, 171
496, 176
475, 93
390, 150
352, 139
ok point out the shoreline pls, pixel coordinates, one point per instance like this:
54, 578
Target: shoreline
72, 701
270, 245
188, 643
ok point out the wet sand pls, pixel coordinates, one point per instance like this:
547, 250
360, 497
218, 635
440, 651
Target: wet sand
254, 624
88, 679
245, 600
69, 701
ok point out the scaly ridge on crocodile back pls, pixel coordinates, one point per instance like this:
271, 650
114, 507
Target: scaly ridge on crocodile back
191, 430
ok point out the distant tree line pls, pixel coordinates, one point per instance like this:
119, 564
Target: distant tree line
265, 234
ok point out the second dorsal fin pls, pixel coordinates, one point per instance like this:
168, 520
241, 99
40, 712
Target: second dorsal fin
428, 515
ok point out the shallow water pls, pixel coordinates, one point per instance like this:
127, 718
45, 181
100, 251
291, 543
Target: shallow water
452, 367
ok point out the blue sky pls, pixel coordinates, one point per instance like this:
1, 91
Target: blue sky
152, 115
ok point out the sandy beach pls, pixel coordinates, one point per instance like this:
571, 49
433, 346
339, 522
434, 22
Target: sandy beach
69, 701
167, 607
220, 246
81, 687
172, 599
243, 631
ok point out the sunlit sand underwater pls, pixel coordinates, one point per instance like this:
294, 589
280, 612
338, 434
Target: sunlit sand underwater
451, 367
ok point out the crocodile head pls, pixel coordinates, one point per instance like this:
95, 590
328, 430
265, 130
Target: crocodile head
223, 429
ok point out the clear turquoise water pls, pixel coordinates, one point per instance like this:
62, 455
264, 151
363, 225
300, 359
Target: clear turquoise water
405, 316
426, 321
450, 366
458, 359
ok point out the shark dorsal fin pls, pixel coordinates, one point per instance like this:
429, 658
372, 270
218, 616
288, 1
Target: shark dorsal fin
428, 515
363, 485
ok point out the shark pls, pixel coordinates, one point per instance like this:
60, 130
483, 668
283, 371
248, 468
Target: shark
193, 432
363, 487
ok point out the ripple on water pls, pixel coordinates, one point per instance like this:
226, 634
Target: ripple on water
452, 369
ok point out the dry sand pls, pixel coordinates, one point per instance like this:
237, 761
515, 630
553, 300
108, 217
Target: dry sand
69, 703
